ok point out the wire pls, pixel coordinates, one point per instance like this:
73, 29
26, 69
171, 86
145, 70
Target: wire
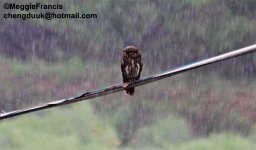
119, 87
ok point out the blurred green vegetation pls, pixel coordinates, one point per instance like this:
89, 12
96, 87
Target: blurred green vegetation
77, 127
63, 129
209, 108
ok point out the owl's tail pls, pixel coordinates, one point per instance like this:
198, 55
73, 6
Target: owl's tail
130, 91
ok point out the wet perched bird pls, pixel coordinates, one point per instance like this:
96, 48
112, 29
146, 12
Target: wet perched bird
131, 67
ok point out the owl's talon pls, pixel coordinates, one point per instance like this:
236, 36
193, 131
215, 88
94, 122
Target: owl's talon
126, 84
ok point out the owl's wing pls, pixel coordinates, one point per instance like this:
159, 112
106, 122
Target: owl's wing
123, 71
141, 65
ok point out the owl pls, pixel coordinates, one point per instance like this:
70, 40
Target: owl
131, 67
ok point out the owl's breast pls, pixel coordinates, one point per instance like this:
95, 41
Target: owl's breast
132, 69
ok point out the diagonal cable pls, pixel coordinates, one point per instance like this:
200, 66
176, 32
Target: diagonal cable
119, 87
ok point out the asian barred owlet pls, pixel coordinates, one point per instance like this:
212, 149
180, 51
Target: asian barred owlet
131, 67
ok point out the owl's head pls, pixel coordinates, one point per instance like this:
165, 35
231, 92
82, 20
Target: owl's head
131, 50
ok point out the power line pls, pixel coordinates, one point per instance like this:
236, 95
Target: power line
119, 87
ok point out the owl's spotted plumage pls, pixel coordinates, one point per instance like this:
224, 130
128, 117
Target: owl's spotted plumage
131, 66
